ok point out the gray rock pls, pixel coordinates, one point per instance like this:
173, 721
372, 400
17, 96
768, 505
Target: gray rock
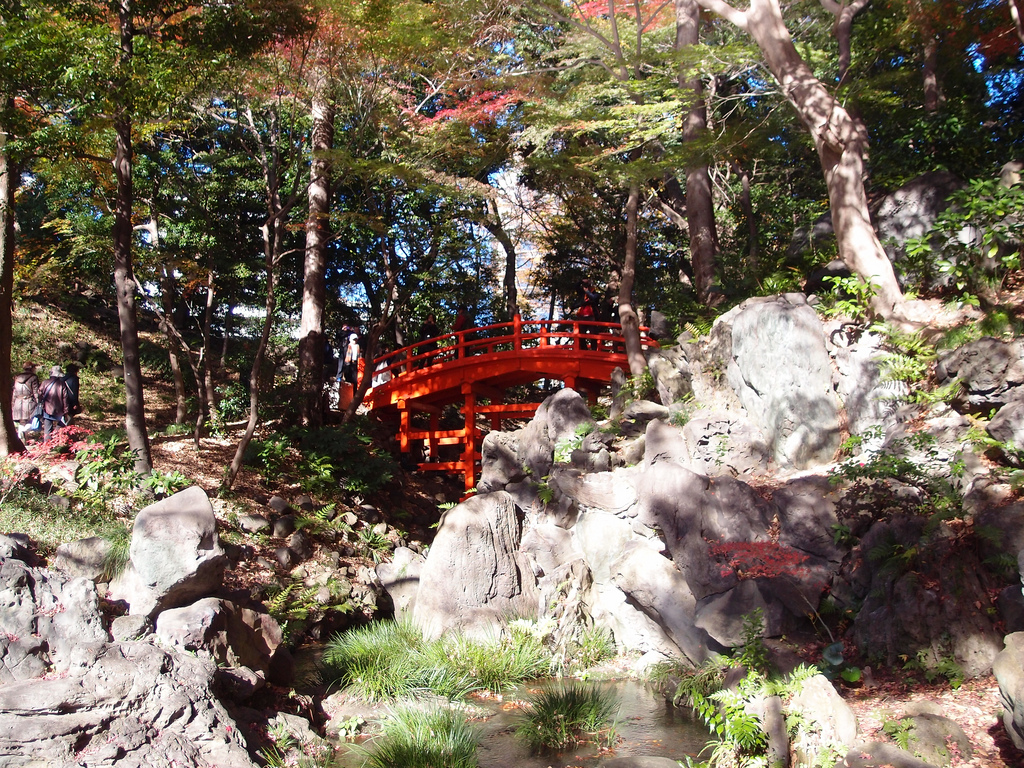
175, 554
991, 371
657, 587
279, 505
722, 443
305, 503
933, 737
134, 705
11, 546
1008, 669
825, 715
1007, 426
125, 628
283, 527
778, 366
86, 558
671, 375
286, 558
475, 576
879, 754
231, 635
253, 523
401, 579
49, 621
499, 462
300, 543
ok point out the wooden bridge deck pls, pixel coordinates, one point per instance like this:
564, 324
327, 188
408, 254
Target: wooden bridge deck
480, 364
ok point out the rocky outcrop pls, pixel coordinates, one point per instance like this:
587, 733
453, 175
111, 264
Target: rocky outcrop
133, 705
175, 555
991, 372
1008, 668
70, 697
475, 576
775, 358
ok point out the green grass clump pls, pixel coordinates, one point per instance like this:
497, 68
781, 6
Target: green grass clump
433, 738
495, 663
567, 716
25, 510
385, 661
376, 662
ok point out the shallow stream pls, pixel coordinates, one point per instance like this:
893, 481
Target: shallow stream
646, 725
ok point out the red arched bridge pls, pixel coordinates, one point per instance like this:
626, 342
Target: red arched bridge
474, 367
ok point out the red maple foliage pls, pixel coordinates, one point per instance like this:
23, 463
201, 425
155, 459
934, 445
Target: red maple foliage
758, 559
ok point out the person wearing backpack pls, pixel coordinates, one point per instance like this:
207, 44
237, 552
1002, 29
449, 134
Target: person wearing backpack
25, 398
54, 397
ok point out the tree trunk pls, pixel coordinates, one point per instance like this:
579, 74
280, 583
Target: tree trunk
492, 222
700, 211
747, 206
933, 96
844, 13
229, 316
174, 350
271, 246
841, 145
1016, 16
124, 278
627, 315
314, 291
208, 402
9, 440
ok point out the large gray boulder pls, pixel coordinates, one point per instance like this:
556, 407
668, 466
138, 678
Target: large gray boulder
475, 576
723, 443
229, 634
778, 366
556, 419
175, 555
1007, 427
1008, 669
990, 370
134, 706
401, 579
47, 621
85, 557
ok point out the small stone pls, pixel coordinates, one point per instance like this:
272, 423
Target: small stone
284, 526
381, 529
369, 513
305, 503
350, 518
301, 545
285, 557
253, 523
278, 504
264, 563
335, 558
131, 627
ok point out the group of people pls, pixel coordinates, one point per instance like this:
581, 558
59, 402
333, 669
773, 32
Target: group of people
47, 406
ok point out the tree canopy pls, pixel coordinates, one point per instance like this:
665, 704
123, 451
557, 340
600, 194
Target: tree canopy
367, 164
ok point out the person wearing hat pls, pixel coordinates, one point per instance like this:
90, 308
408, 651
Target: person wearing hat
54, 397
25, 397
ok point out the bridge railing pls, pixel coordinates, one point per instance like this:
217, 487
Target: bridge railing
589, 338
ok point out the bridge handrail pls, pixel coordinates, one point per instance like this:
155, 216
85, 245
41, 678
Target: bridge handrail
517, 335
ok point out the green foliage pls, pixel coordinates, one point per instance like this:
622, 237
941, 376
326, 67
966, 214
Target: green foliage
269, 456
374, 545
900, 730
754, 653
119, 554
593, 646
385, 661
431, 738
163, 484
849, 297
294, 605
934, 666
990, 213
494, 664
344, 457
565, 717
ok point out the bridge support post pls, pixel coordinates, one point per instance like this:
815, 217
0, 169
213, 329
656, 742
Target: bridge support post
469, 454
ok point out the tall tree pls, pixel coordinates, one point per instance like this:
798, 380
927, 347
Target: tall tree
840, 141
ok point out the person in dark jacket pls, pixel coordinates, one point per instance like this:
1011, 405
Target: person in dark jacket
74, 386
25, 397
54, 397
